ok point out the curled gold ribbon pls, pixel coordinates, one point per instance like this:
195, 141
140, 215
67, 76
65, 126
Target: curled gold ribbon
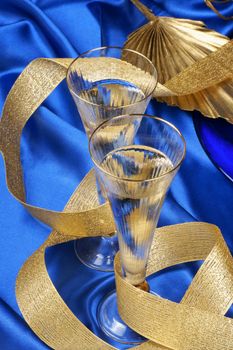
198, 322
36, 82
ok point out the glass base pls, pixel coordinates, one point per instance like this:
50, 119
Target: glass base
111, 323
97, 252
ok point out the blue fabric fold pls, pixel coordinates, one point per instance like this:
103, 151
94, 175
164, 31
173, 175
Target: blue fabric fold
55, 157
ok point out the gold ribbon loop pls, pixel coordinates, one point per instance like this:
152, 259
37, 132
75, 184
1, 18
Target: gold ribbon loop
41, 305
32, 87
193, 324
197, 322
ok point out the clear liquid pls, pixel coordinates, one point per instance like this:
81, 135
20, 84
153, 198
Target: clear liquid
104, 99
112, 93
136, 205
136, 162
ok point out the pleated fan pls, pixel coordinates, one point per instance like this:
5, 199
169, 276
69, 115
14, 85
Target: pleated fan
173, 44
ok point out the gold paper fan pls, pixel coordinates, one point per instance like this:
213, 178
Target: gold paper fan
173, 44
214, 102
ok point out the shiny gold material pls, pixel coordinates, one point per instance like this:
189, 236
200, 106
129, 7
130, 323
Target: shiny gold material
173, 45
29, 91
210, 4
97, 68
198, 322
209, 87
41, 305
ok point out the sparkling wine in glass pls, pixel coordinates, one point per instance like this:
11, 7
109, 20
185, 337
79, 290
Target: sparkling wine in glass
136, 173
107, 82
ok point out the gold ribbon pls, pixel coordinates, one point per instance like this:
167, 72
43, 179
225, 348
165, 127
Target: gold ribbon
36, 82
210, 71
198, 322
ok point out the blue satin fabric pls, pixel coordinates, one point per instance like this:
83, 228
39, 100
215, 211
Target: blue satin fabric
55, 155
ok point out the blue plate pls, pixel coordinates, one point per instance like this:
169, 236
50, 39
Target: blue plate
216, 137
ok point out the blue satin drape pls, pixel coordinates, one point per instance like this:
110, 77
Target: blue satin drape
55, 156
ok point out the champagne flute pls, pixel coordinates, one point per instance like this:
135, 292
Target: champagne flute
106, 82
136, 173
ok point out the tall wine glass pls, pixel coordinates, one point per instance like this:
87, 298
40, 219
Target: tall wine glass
136, 169
106, 82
